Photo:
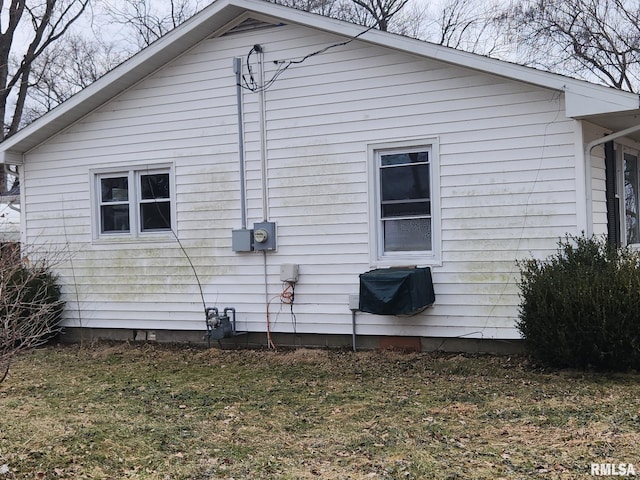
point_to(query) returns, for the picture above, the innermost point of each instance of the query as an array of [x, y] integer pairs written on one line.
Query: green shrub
[[30, 304], [581, 306], [36, 298]]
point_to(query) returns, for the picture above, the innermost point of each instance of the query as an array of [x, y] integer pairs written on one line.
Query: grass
[[155, 412]]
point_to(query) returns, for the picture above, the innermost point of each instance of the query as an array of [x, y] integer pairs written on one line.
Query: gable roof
[[582, 99]]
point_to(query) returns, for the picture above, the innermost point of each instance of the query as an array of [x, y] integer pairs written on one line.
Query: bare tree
[[376, 13], [78, 60], [58, 73], [28, 30], [381, 11], [149, 20], [592, 39], [469, 25], [30, 304], [46, 22]]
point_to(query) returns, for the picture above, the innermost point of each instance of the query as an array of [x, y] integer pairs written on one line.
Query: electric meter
[[260, 235], [264, 236]]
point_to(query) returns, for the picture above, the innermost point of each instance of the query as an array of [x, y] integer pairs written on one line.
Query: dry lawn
[[155, 412]]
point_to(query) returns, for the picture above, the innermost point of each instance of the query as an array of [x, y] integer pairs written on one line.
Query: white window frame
[[133, 173], [621, 150], [378, 257]]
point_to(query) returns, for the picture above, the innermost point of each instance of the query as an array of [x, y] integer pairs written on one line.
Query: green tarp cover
[[396, 291]]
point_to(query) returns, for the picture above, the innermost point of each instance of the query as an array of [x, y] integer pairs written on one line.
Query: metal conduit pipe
[[237, 69], [263, 133], [263, 174]]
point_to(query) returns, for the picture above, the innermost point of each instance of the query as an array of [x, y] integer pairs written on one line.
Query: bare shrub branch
[[30, 303]]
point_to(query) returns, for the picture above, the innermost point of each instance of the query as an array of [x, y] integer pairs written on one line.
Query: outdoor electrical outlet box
[[242, 240], [289, 272], [264, 236]]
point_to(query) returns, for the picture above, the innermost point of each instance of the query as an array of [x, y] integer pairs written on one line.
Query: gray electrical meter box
[[242, 240], [264, 236]]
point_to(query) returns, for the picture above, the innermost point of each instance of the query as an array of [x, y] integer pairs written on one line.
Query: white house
[[9, 223], [10, 217], [343, 150]]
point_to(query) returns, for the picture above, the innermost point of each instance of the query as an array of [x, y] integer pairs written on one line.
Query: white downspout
[[588, 175]]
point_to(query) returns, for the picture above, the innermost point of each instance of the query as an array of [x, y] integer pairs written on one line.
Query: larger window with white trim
[[405, 204], [134, 202]]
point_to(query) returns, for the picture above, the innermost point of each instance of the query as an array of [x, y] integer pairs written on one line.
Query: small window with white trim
[[405, 204], [133, 203]]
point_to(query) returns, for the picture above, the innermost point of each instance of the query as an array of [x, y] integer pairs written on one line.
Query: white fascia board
[[580, 104]]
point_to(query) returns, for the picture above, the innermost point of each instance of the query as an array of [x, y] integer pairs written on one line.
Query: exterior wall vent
[[250, 24]]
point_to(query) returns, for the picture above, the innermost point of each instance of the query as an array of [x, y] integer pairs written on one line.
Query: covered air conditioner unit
[[396, 291]]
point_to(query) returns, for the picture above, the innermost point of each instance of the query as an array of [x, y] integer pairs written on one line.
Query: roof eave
[[578, 104], [8, 157], [582, 98]]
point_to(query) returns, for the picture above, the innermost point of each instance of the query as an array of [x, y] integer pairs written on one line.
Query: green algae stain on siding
[[127, 274]]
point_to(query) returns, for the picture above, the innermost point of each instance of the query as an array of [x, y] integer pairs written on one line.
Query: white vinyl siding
[[506, 162], [622, 147], [597, 181]]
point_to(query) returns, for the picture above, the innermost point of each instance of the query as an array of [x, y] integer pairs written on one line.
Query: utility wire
[[283, 65], [177, 239]]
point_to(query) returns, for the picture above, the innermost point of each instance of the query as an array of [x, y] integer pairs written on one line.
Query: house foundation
[[254, 340]]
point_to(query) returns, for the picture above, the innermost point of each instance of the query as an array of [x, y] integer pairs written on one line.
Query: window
[[134, 202], [631, 183], [155, 202], [114, 204], [404, 204]]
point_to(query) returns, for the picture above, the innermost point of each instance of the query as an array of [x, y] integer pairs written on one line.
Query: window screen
[[405, 201]]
